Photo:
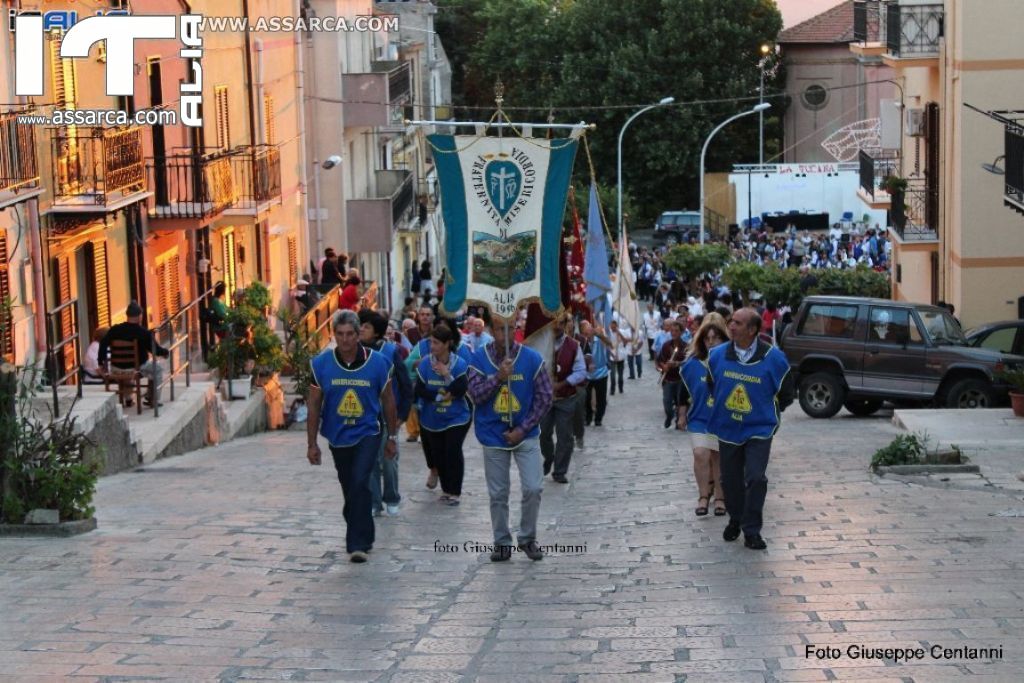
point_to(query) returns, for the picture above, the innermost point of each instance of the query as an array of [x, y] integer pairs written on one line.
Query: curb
[[928, 469], [63, 529]]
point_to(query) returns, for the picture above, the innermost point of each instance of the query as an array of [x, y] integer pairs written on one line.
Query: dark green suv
[[857, 352]]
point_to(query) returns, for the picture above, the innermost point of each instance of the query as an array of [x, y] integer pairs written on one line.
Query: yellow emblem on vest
[[501, 404], [350, 405], [738, 400]]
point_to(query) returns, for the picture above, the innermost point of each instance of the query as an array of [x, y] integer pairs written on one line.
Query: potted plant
[[897, 188], [250, 347], [1015, 378]]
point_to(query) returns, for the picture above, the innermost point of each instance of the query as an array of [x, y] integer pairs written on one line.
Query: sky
[[795, 11]]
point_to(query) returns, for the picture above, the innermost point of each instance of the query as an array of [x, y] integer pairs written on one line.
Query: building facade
[[953, 239]]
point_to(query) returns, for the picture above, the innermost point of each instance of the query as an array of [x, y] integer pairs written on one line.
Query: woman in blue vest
[[695, 410], [445, 412], [351, 386]]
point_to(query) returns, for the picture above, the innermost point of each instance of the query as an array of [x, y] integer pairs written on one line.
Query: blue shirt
[[660, 339], [599, 354], [352, 405]]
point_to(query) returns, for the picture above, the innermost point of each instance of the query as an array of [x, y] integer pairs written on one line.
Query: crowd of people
[[441, 376]]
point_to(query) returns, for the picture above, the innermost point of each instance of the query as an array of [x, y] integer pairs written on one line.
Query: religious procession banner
[[502, 200]]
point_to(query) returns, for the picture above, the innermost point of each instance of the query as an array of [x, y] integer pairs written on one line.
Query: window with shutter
[[270, 124], [6, 315], [293, 261], [223, 123], [174, 279], [63, 74], [67, 356], [230, 255], [96, 284]]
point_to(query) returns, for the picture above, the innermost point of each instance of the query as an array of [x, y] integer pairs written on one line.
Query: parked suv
[[677, 227], [857, 352]]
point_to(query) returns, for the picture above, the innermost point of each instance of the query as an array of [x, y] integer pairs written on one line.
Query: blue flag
[[595, 265]]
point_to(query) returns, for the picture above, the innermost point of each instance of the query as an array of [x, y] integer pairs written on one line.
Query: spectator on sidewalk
[[133, 331]]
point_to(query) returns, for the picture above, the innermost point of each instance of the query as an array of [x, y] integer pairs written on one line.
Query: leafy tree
[[692, 260], [743, 277], [566, 56]]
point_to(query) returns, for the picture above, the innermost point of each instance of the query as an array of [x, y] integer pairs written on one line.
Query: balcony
[[372, 222], [376, 99], [868, 28], [1014, 195], [97, 170], [912, 31], [19, 171], [915, 214], [191, 189], [873, 172], [256, 178]]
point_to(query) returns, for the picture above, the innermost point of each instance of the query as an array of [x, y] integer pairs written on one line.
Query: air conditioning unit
[[915, 122]]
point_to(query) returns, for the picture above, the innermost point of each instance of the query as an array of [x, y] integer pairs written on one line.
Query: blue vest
[[434, 416], [744, 395], [352, 406], [694, 372], [492, 416], [599, 354]]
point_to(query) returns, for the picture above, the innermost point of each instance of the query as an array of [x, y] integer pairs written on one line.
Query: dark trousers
[[597, 389], [650, 348], [444, 451], [636, 364], [669, 398], [615, 371], [744, 481], [580, 413], [557, 423], [355, 466]]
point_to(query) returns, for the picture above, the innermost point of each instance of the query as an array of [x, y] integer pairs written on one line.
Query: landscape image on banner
[[503, 263]]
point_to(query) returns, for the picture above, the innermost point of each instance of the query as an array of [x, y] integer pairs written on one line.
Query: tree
[[693, 260], [568, 56]]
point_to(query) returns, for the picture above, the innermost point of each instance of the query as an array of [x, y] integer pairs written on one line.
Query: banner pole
[[508, 380]]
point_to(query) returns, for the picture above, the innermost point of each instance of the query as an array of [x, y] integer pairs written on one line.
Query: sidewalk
[[228, 564], [993, 439]]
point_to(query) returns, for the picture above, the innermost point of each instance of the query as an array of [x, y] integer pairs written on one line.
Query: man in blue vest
[[751, 386], [512, 393], [384, 482], [350, 388]]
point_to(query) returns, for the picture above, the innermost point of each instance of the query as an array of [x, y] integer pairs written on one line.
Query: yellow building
[[957, 243]]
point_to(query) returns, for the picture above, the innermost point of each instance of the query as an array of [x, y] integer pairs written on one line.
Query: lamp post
[[757, 109], [765, 51], [618, 169], [327, 164]]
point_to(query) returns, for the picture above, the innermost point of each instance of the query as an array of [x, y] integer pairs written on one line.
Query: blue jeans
[[355, 465], [388, 471], [637, 361]]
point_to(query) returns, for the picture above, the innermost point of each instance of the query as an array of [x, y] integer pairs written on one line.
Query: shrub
[[693, 260], [251, 343], [905, 449]]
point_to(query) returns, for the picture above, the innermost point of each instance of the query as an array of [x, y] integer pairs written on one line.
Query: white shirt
[[652, 323], [620, 348], [744, 355]]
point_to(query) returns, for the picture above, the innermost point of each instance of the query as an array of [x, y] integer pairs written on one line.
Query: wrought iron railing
[[315, 324], [179, 334], [257, 175], [916, 212], [190, 185], [875, 169], [914, 30], [96, 164], [868, 24], [1014, 140], [401, 201], [18, 167], [63, 350]]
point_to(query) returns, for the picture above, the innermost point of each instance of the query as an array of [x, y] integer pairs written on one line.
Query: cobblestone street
[[229, 563]]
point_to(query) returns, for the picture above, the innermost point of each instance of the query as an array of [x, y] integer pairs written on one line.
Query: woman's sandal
[[702, 510], [720, 510]]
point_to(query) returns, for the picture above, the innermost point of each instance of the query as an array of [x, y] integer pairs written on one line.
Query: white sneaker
[[392, 510]]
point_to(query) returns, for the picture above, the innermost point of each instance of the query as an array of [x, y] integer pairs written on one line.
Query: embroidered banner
[[502, 200]]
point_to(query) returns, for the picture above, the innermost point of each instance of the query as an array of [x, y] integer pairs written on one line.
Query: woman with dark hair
[[695, 391], [445, 412]]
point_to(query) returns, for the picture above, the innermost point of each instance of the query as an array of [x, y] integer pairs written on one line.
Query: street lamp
[[757, 109], [765, 51], [618, 173], [327, 164]]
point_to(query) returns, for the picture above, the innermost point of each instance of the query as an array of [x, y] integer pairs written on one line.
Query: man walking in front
[[351, 386], [570, 371], [751, 386], [512, 392], [670, 358]]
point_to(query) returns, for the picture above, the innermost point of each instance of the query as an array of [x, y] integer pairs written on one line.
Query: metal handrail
[[53, 349], [171, 326], [317, 318]]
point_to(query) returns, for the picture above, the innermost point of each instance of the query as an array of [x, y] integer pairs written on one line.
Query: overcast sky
[[795, 11]]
